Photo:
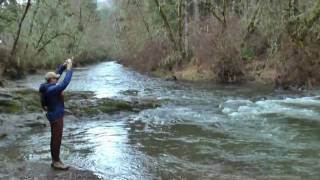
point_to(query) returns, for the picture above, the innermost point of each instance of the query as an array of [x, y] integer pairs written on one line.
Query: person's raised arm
[[61, 68], [63, 85]]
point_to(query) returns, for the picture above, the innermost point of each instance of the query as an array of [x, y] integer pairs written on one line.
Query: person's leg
[[56, 137]]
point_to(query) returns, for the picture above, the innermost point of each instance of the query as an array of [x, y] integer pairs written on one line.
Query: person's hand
[[69, 63], [65, 63]]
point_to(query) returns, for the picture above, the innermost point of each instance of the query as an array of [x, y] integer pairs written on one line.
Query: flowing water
[[203, 131]]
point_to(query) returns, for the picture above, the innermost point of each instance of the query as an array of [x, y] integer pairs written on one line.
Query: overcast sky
[[107, 3]]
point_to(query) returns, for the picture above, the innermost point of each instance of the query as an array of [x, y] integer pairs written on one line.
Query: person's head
[[52, 77]]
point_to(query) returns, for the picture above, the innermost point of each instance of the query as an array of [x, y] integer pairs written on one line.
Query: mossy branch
[[298, 26]]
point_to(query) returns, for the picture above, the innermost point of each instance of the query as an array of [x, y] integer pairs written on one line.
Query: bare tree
[[14, 47]]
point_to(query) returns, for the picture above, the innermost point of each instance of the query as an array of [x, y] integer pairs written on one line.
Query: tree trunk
[[224, 13], [31, 25], [293, 7], [15, 43], [181, 27], [214, 12], [196, 11], [253, 21], [167, 25], [142, 16]]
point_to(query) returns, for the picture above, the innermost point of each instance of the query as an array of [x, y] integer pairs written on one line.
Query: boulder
[[4, 93], [3, 83]]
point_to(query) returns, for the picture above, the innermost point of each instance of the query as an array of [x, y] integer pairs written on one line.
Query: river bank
[[256, 72]]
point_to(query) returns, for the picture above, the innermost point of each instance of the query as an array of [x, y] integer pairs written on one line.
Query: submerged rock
[[171, 78], [95, 106], [3, 135], [2, 83], [5, 94], [130, 92], [14, 123], [231, 106]]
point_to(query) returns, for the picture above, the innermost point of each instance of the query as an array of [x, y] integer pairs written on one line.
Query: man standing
[[53, 103]]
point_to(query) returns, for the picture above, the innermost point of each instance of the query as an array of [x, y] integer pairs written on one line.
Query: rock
[[76, 103], [5, 94], [109, 106], [78, 95], [32, 71], [129, 92], [140, 104], [10, 106], [12, 73], [16, 123], [31, 170], [35, 118], [171, 78], [29, 99], [36, 124], [3, 131], [3, 135], [3, 83]]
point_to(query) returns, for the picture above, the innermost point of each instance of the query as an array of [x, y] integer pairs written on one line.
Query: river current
[[202, 131]]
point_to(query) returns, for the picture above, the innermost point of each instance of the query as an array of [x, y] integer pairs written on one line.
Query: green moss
[[27, 92], [78, 95], [89, 111], [32, 104], [77, 103], [159, 73], [29, 100], [108, 106], [10, 106]]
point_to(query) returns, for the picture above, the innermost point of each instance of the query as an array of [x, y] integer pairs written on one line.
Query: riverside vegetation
[[40, 34], [222, 40]]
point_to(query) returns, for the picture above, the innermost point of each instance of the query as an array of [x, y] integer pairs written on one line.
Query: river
[[203, 131]]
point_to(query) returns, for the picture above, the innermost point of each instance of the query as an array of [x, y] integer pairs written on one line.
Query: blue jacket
[[52, 97]]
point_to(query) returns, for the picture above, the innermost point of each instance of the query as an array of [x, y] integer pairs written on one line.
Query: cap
[[51, 75]]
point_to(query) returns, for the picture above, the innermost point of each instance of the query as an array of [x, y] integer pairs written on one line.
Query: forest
[[226, 41], [38, 34]]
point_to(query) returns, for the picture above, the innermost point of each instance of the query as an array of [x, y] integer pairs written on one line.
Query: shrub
[[297, 67]]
